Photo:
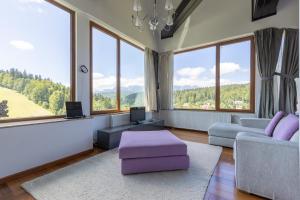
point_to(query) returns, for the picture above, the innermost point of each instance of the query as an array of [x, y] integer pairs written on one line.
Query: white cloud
[[102, 82], [125, 82], [40, 10], [191, 73], [22, 45], [229, 82], [192, 83], [190, 77], [227, 68], [202, 83]]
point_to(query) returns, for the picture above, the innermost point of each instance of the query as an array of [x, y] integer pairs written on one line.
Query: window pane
[[34, 59], [194, 79], [104, 71], [235, 76], [132, 76]]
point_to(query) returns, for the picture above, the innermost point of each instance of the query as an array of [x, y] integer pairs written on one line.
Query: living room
[[156, 99]]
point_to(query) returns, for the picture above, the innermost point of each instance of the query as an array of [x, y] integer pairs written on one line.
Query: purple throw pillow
[[286, 128], [273, 123]]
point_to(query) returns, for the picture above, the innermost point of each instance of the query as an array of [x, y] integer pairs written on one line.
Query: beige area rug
[[100, 178]]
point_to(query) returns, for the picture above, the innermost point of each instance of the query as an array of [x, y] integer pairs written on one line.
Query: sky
[[35, 36], [104, 63], [195, 69]]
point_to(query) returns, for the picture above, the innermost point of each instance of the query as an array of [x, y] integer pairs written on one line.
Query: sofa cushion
[[227, 130], [260, 123], [221, 141], [295, 137], [286, 128], [251, 134], [146, 144], [273, 123]]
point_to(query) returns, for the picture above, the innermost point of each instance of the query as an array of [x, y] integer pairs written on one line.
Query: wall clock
[[84, 69]]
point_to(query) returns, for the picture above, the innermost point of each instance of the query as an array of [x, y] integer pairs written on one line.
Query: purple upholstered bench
[[150, 151]]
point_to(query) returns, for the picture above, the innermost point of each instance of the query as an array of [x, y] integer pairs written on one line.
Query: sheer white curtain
[[276, 79], [150, 82], [166, 80]]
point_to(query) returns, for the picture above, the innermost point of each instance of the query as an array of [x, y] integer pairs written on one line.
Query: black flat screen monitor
[[137, 114], [74, 110]]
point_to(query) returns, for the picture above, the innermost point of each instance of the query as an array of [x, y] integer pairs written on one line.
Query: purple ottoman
[[150, 151]]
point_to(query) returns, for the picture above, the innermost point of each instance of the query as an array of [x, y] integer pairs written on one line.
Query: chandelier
[[154, 21]]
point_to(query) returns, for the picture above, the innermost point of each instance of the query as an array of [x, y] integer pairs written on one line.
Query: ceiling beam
[[183, 11]]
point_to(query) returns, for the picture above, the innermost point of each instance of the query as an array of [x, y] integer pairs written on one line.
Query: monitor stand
[[109, 138]]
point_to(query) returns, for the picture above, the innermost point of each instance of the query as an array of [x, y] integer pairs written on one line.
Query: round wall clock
[[84, 69]]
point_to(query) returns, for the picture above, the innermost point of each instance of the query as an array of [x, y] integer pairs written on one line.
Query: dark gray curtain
[[289, 71], [155, 61], [268, 42]]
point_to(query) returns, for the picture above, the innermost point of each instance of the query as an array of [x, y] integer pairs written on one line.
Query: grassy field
[[19, 106]]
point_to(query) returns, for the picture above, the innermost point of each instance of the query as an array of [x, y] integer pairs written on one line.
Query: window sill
[[221, 111], [97, 113], [37, 122]]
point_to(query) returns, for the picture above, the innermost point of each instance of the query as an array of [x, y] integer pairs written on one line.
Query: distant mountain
[[125, 91], [183, 87], [134, 99]]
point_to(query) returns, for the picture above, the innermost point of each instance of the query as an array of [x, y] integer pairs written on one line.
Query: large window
[[218, 77], [36, 59], [117, 72], [104, 71], [194, 81], [235, 75], [132, 76]]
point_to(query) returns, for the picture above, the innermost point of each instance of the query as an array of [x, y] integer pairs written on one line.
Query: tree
[[3, 109], [56, 102], [36, 89]]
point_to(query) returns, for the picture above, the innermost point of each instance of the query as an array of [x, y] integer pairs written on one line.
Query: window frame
[[118, 68], [218, 45], [72, 65]]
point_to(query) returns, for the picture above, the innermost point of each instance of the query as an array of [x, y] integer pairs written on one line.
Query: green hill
[[19, 106], [134, 99], [235, 96], [41, 91]]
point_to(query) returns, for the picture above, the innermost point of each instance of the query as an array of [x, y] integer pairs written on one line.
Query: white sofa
[[263, 166], [224, 134], [267, 167]]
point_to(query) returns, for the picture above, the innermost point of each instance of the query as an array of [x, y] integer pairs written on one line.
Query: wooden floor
[[221, 186]]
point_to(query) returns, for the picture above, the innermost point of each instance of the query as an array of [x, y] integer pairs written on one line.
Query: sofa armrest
[[260, 123], [267, 167]]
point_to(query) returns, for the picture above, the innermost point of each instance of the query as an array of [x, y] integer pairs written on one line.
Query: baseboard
[[186, 129], [44, 166]]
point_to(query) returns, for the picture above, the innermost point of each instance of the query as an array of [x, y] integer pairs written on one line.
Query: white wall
[[216, 20], [83, 58], [197, 120], [25, 147]]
